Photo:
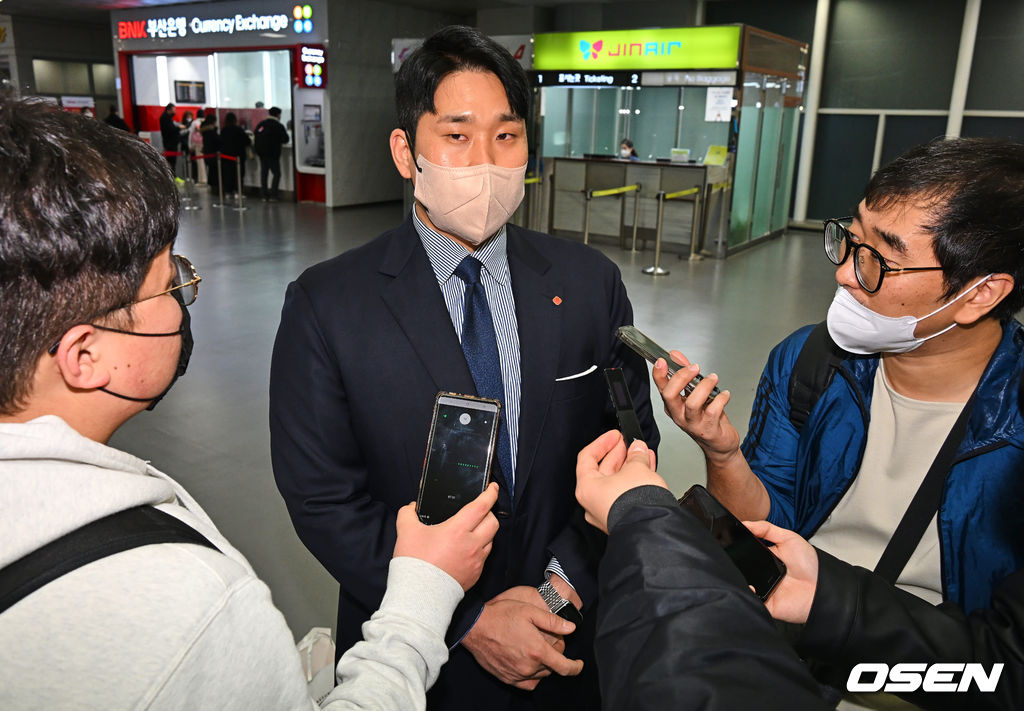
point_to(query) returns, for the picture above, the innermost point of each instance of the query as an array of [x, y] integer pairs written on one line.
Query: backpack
[[261, 140], [815, 367], [121, 531]]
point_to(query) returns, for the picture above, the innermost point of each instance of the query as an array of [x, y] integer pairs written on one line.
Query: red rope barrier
[[168, 154], [226, 156]]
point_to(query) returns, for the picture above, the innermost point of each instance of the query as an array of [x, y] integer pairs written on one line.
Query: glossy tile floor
[[211, 431]]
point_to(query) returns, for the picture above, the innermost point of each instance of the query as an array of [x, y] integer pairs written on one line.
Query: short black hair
[[84, 210], [452, 49], [973, 192], [274, 111]]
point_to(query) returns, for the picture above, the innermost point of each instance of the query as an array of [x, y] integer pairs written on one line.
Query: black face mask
[[185, 331]]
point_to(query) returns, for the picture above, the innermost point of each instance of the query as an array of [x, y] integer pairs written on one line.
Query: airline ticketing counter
[[713, 108]]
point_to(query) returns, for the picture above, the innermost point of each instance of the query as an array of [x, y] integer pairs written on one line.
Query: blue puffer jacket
[[981, 519]]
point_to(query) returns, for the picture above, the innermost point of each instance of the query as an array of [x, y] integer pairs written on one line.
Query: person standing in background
[[170, 132], [270, 136], [211, 146], [233, 142]]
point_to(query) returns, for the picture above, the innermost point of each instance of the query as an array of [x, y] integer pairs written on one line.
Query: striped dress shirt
[[445, 255]]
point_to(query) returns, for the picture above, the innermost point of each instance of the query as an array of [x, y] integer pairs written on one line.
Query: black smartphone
[[460, 451], [635, 339], [762, 568], [629, 424]]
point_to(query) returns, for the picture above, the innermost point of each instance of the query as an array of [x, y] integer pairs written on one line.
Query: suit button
[[502, 514]]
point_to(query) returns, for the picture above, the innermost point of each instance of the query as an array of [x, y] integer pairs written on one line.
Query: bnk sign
[[907, 677]]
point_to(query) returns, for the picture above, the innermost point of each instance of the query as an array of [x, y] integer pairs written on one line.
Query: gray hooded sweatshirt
[[177, 626]]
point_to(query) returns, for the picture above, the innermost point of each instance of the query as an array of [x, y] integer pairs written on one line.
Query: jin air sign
[[680, 48]]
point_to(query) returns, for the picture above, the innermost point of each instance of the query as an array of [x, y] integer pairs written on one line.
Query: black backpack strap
[[815, 367], [924, 504], [118, 532]]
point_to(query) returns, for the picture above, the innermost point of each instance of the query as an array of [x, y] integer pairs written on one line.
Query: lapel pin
[[557, 301]]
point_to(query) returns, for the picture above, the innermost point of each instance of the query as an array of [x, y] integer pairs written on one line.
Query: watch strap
[[558, 604]]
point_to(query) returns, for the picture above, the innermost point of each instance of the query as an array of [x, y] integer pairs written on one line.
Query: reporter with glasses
[[919, 397]]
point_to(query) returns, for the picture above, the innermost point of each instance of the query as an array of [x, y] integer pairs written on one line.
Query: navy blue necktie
[[480, 346]]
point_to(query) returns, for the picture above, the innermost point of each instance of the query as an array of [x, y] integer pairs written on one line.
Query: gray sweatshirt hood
[[54, 480]]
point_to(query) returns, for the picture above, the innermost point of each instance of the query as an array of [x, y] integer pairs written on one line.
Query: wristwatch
[[558, 604]]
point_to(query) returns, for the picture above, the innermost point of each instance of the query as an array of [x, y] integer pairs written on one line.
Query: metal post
[[694, 226], [220, 184], [190, 186], [656, 270], [586, 220], [238, 186], [636, 216]]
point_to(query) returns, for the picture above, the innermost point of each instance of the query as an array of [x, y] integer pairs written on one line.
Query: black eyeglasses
[[868, 264], [184, 288]]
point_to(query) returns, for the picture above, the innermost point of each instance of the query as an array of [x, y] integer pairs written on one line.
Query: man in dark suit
[[456, 300]]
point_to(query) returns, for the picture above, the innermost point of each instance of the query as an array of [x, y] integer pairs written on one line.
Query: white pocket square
[[588, 371]]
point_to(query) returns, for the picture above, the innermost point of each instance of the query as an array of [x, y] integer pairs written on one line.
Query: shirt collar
[[445, 254]]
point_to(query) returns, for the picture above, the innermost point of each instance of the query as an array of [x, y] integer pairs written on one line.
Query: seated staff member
[[97, 329]]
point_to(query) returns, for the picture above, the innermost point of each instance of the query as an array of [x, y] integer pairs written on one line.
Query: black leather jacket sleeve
[[678, 628], [857, 617]]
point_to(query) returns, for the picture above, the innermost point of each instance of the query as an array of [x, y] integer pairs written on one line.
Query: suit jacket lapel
[[539, 322], [417, 304]]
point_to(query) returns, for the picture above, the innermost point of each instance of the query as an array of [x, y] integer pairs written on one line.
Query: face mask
[[471, 203], [625, 152], [857, 329], [185, 330]]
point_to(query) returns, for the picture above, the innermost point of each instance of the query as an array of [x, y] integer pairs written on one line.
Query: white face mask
[[471, 202], [857, 329], [625, 152]]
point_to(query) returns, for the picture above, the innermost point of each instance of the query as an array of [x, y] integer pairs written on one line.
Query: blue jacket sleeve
[[771, 444]]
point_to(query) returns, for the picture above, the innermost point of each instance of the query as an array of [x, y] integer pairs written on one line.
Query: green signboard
[[680, 48]]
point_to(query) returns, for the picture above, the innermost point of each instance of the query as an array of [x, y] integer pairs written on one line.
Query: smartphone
[[762, 568], [629, 424], [635, 339], [460, 451]]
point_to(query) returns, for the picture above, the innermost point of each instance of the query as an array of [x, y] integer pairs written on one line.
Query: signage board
[[715, 47], [311, 66], [718, 105], [586, 79], [222, 24]]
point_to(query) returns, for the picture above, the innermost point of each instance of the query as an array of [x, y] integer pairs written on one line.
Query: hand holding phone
[[762, 569], [460, 452], [458, 546], [629, 424], [651, 351]]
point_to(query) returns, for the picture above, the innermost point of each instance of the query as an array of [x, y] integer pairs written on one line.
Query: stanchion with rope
[[188, 197], [656, 269], [220, 181], [591, 194], [238, 185], [189, 200]]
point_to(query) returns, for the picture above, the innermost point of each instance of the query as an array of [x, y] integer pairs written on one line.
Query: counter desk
[[683, 231]]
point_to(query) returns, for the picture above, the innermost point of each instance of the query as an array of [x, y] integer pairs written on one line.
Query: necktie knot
[[469, 270]]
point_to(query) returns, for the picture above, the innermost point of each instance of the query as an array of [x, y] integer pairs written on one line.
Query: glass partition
[[592, 121], [746, 160], [768, 166], [695, 133]]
